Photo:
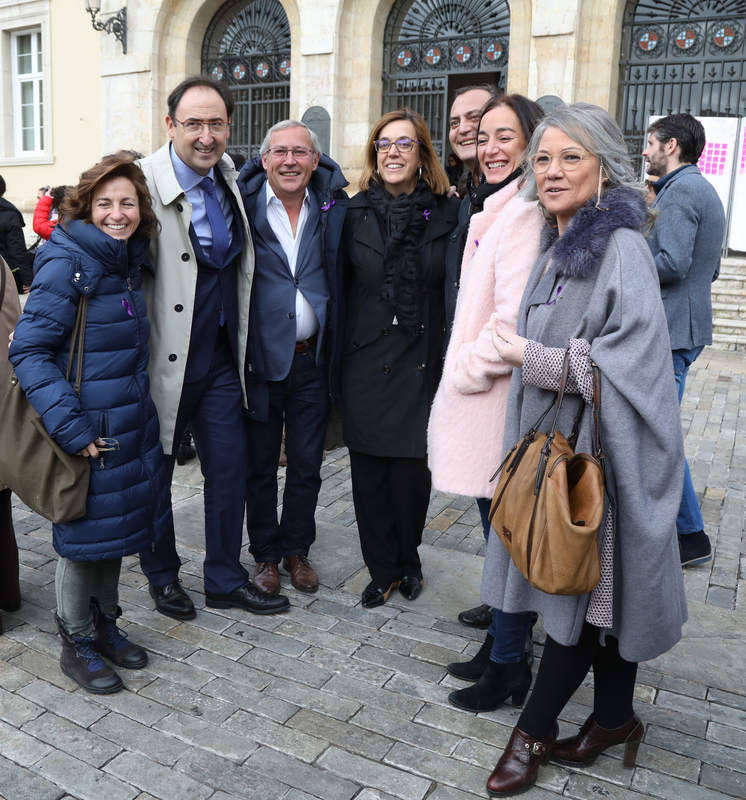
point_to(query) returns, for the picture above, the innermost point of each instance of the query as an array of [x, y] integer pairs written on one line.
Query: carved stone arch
[[179, 32]]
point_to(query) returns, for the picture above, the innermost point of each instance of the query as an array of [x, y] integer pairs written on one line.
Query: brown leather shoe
[[302, 574], [267, 578], [591, 740], [518, 766]]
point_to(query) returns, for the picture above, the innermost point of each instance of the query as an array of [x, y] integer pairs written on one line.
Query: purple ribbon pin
[[426, 214], [126, 305], [554, 299], [327, 205], [476, 243]]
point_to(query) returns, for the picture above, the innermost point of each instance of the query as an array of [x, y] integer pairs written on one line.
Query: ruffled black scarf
[[404, 219]]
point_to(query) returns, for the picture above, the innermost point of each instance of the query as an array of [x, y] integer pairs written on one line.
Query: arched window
[[681, 56], [247, 45], [434, 47]]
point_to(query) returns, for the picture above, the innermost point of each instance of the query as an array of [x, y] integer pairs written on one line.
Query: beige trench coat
[[173, 285]]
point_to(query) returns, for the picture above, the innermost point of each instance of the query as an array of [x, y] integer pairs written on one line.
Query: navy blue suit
[[285, 387], [211, 402]]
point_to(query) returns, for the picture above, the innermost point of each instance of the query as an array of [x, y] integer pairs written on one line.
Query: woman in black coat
[[394, 240]]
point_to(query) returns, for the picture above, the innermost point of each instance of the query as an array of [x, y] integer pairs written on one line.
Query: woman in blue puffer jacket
[[99, 252]]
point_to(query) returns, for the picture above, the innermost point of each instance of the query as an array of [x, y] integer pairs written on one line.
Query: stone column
[[554, 48]]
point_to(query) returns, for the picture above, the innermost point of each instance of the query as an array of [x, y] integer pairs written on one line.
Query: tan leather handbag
[[48, 480], [548, 505]]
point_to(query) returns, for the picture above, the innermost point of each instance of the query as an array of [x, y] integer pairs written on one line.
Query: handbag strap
[[77, 341], [597, 449], [561, 391]]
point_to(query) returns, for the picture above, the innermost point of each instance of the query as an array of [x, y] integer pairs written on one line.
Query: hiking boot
[[113, 643], [83, 663]]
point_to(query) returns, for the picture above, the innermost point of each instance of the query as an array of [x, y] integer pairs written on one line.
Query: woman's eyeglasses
[[568, 161], [403, 144]]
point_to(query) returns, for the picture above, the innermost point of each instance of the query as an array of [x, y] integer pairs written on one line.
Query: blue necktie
[[216, 218]]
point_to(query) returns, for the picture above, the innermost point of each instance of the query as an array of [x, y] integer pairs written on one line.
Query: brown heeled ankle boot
[[591, 740], [518, 766]]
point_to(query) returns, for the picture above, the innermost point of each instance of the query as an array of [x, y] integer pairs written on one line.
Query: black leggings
[[561, 672]]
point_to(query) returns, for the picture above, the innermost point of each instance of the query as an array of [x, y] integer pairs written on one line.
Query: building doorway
[[247, 46], [434, 47], [681, 56]]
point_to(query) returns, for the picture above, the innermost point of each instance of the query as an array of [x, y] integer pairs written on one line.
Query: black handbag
[[48, 480]]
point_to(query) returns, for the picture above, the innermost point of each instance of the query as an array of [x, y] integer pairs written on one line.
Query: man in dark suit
[[295, 204], [198, 303], [686, 242]]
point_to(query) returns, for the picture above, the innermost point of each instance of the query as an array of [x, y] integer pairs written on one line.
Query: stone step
[[729, 311], [728, 341]]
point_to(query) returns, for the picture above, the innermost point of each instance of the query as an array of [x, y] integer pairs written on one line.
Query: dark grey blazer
[[686, 241]]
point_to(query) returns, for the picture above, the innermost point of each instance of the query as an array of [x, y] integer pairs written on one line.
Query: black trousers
[[391, 496], [561, 672], [10, 594]]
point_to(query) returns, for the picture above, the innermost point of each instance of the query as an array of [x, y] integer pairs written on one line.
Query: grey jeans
[[76, 582]]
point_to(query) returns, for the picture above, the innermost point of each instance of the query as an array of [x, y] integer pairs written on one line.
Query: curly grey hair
[[290, 123], [594, 129]]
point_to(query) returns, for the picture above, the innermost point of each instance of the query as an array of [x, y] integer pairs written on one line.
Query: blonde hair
[[432, 171]]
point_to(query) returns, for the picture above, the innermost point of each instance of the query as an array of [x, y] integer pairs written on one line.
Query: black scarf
[[404, 219], [479, 194]]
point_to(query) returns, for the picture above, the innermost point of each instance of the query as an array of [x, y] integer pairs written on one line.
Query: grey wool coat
[[686, 243], [601, 285]]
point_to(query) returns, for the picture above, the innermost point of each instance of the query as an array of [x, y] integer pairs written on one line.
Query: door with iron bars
[[434, 47], [247, 46], [681, 56]]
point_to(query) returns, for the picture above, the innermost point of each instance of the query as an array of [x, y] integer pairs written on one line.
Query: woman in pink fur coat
[[465, 436]]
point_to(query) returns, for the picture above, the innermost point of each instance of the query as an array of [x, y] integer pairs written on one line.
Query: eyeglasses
[[568, 161], [403, 144], [194, 126], [281, 153]]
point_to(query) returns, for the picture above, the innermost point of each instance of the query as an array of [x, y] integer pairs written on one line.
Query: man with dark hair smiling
[[686, 241], [198, 302]]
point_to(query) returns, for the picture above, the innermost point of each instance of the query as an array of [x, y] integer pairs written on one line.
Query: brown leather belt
[[306, 344]]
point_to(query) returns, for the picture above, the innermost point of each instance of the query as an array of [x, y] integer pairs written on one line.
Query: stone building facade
[[70, 94]]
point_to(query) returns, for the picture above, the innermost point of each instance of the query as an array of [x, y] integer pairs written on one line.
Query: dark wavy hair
[[79, 199]]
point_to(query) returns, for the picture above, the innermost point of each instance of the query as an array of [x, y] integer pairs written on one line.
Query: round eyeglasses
[[568, 161], [403, 144]]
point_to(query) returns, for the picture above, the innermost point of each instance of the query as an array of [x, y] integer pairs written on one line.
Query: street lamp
[[115, 23]]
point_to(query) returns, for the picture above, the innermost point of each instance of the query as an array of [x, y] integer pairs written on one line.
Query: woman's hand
[[91, 450], [508, 344]]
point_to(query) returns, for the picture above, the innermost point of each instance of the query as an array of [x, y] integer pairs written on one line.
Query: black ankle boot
[[81, 662], [472, 670], [497, 683], [113, 643]]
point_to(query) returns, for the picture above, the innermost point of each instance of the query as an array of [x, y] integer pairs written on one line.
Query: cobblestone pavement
[[332, 701]]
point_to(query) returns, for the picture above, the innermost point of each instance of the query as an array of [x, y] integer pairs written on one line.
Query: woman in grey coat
[[594, 289]]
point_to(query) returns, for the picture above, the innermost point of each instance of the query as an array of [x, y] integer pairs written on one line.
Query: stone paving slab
[[334, 702]]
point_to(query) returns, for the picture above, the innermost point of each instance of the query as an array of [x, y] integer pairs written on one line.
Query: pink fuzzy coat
[[465, 432]]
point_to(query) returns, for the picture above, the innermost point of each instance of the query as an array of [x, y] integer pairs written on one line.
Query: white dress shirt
[[306, 323]]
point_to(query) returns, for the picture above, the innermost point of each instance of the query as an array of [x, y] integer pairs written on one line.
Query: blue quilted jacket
[[128, 497]]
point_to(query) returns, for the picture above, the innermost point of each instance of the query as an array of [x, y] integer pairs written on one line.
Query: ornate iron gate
[[247, 45], [681, 56], [429, 41]]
